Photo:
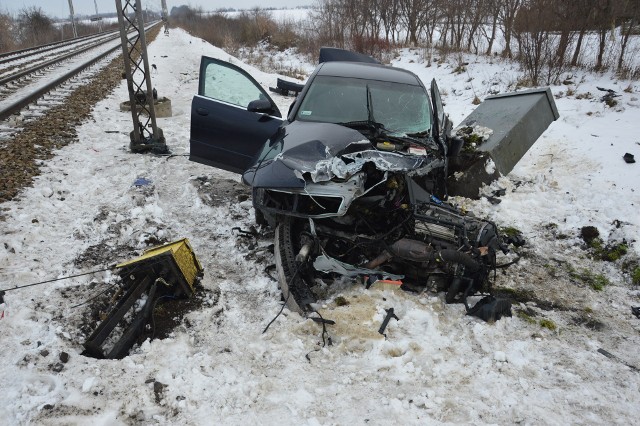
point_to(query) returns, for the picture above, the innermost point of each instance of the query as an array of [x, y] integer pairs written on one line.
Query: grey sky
[[60, 8]]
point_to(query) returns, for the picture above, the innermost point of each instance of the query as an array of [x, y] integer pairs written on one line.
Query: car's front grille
[[300, 204]]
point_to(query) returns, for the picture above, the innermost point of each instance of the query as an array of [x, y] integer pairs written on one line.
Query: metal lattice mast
[[165, 14], [146, 136], [73, 19]]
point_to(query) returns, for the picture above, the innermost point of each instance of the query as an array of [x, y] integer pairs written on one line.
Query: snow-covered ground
[[437, 366]]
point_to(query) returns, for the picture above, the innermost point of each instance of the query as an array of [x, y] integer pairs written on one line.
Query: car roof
[[368, 71]]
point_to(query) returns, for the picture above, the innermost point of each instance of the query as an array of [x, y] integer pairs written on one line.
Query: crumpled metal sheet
[[346, 165]]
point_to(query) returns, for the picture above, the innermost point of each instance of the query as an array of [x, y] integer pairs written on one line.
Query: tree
[[7, 41], [630, 16], [507, 12], [34, 27]]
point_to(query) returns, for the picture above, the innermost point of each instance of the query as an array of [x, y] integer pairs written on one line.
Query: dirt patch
[[217, 192]]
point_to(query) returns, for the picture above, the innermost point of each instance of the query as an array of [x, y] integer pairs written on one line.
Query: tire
[[295, 290]]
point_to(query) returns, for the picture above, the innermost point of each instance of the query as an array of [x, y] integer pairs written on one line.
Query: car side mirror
[[261, 106]]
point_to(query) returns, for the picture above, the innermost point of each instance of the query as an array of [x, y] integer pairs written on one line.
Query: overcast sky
[[60, 8]]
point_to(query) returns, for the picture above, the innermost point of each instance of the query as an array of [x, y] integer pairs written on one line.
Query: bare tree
[[506, 17], [603, 19], [7, 41], [34, 27], [630, 17], [390, 15], [536, 46], [582, 12], [492, 9], [413, 17]]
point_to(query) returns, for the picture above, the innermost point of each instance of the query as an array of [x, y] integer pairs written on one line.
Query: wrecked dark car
[[354, 179]]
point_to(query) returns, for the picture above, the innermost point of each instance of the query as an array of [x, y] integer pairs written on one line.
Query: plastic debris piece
[[628, 158], [141, 182], [489, 308]]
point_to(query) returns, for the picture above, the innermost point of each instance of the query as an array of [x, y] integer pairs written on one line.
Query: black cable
[[267, 270], [60, 279], [285, 301], [92, 298], [504, 265], [324, 332]]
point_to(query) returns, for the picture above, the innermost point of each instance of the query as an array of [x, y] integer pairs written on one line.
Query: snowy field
[[437, 366]]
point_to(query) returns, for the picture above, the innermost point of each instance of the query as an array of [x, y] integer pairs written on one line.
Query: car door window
[[221, 82]]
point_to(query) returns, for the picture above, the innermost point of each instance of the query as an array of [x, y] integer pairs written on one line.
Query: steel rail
[[24, 53], [31, 70], [31, 97]]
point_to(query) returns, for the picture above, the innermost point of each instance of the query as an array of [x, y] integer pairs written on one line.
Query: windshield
[[400, 108]]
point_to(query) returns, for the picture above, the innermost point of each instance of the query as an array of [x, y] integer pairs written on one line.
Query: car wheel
[[291, 274]]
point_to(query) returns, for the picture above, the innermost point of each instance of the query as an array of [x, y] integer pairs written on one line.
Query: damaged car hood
[[304, 152]]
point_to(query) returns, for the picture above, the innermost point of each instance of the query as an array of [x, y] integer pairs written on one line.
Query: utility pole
[[95, 3], [73, 19], [165, 17], [165, 14], [146, 135]]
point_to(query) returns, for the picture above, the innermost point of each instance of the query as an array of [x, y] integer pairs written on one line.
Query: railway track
[[29, 138], [42, 76]]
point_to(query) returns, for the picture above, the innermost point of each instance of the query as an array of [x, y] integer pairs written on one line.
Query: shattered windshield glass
[[400, 108]]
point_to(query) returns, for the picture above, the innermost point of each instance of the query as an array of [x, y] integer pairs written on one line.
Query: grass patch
[[635, 276], [341, 301], [525, 316], [510, 231], [548, 324], [608, 252], [586, 95], [596, 281]]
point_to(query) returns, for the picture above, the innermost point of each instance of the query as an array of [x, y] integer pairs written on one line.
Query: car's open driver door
[[231, 117]]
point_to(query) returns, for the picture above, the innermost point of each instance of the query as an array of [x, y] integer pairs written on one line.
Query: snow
[[436, 365]]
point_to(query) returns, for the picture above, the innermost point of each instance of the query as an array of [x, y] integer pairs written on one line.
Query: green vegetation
[[526, 317], [471, 140], [547, 323], [635, 276], [608, 252], [510, 231], [341, 301], [595, 281]]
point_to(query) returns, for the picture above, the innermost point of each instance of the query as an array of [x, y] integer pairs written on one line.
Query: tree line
[[31, 27], [546, 36]]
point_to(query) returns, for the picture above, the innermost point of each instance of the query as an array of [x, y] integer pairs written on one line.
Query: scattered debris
[[491, 309], [141, 182], [385, 323], [287, 88], [609, 98], [168, 271], [628, 158]]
